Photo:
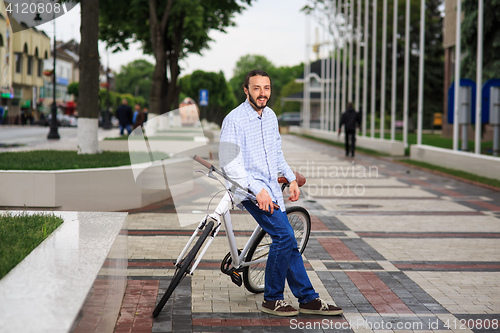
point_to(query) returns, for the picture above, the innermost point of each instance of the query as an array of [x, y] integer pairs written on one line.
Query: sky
[[272, 28]]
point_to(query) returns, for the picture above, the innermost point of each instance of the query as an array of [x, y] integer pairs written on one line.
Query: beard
[[254, 102]]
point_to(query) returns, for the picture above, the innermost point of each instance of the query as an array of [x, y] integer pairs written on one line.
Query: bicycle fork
[[200, 227]]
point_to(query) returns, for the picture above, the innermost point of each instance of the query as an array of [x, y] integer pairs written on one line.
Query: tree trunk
[[156, 104], [158, 31], [173, 62], [88, 107]]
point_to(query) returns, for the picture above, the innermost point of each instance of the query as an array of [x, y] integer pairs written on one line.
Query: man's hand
[[265, 201], [294, 191]]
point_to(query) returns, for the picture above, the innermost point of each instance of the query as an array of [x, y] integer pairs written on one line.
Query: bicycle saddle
[[301, 180]]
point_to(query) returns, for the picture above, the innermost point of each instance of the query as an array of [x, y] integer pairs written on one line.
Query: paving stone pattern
[[398, 249]]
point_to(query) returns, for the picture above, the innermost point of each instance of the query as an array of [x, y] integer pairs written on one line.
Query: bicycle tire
[[181, 272], [253, 276]]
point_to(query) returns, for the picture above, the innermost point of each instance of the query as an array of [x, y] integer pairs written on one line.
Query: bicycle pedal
[[236, 278]]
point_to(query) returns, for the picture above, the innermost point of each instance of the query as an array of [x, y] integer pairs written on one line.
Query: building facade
[[21, 71], [67, 72]]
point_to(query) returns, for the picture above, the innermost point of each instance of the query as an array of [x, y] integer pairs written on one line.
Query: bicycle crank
[[227, 269]]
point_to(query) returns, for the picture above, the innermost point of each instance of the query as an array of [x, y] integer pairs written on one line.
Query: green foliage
[[288, 89], [21, 234], [135, 79], [65, 160], [115, 99], [73, 89], [280, 76], [221, 98], [244, 65], [185, 30], [121, 25], [491, 39]]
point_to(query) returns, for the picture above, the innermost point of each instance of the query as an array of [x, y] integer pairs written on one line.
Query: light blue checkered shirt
[[250, 151]]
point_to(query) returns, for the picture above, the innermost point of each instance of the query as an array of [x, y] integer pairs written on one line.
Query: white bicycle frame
[[220, 216]]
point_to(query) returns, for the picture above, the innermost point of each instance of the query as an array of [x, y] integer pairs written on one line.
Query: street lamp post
[[53, 133]]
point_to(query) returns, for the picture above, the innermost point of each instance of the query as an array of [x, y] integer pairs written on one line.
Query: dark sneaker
[[279, 308], [318, 306]]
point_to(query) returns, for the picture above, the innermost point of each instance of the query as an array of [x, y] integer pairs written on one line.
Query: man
[[253, 129], [138, 117], [350, 119], [124, 115]]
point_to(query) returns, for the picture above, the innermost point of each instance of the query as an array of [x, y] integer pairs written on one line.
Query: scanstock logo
[[25, 14]]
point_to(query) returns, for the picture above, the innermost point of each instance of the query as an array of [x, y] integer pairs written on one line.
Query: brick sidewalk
[[396, 248]]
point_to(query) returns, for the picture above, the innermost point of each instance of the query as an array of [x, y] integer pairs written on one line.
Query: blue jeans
[[284, 261], [128, 127]]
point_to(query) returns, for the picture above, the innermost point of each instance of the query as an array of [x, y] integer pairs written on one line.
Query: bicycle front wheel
[[183, 268], [254, 275]]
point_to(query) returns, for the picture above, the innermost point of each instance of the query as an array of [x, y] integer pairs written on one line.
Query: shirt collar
[[251, 113]]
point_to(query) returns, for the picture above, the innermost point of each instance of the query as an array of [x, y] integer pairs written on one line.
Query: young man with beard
[[250, 153]]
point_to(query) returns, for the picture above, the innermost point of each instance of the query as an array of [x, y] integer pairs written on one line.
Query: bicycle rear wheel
[[253, 275], [182, 268]]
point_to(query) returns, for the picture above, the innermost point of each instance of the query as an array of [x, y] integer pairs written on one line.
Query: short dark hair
[[252, 73]]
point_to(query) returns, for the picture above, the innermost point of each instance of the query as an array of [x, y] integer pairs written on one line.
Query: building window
[[19, 62], [30, 65], [40, 67]]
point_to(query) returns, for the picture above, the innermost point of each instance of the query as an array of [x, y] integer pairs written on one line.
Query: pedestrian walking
[[350, 119], [138, 118], [253, 128], [124, 115]]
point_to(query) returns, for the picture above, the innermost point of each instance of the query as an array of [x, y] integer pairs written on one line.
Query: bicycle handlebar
[[212, 168], [202, 162]]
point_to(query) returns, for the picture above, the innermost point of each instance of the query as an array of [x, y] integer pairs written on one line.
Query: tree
[[279, 75], [221, 97], [282, 77], [288, 89], [491, 39], [169, 30], [135, 78], [244, 65], [88, 109], [73, 89]]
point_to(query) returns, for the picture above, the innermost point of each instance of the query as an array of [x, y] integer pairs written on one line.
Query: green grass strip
[[21, 234], [67, 160], [456, 173]]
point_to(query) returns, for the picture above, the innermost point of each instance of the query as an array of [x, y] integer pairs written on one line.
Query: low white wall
[[100, 189], [47, 291], [394, 148], [169, 147], [486, 166]]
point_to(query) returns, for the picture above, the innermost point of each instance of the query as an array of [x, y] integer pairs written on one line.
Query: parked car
[[63, 120], [290, 119]]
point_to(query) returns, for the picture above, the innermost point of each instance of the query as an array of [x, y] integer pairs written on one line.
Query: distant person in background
[[350, 119], [124, 115], [145, 110], [138, 118]]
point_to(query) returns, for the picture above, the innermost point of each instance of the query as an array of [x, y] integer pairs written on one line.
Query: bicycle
[[244, 266]]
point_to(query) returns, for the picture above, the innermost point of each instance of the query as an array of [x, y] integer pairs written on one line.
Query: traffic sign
[[203, 97]]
